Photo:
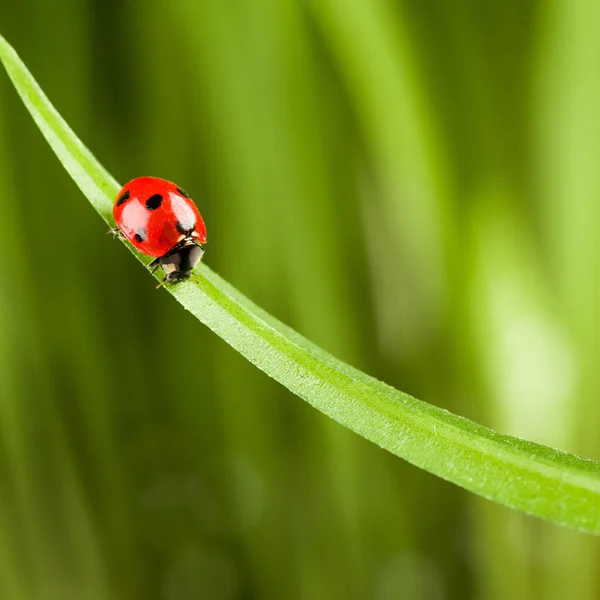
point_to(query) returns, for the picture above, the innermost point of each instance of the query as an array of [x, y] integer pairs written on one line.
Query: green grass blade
[[541, 481]]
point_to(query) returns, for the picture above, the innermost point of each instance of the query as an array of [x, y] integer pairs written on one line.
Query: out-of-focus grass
[[233, 495], [534, 478]]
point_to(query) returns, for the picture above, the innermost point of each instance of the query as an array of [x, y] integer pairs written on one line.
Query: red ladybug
[[161, 220]]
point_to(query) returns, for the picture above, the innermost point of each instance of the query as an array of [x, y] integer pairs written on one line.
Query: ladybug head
[[179, 262]]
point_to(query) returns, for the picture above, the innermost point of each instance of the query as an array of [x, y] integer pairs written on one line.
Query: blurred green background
[[412, 185]]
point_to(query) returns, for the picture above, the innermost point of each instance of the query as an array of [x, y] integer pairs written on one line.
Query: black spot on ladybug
[[181, 229], [124, 197], [140, 236], [154, 202], [183, 192]]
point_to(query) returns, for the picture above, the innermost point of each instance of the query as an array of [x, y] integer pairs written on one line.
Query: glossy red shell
[[155, 214]]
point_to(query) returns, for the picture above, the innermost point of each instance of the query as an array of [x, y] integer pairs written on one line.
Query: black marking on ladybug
[[141, 236], [186, 222], [182, 230], [154, 202], [124, 197], [183, 192]]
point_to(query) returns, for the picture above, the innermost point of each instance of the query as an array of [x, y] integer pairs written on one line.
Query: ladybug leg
[[116, 232], [165, 280], [154, 265]]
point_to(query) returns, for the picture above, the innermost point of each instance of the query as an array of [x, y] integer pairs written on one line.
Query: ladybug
[[161, 220]]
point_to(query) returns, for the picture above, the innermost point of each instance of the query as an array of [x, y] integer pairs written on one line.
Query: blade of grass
[[548, 483]]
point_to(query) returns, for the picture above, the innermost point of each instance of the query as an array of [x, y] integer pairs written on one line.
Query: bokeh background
[[412, 185]]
